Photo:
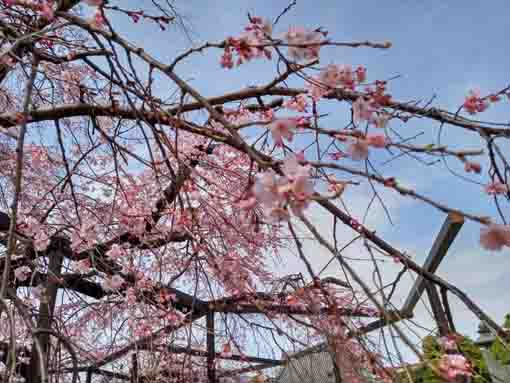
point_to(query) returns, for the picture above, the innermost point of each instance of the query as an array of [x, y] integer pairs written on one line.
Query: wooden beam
[[237, 358], [444, 239], [392, 317], [239, 371], [261, 308]]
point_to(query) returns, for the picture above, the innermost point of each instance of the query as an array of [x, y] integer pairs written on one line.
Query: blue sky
[[439, 48]]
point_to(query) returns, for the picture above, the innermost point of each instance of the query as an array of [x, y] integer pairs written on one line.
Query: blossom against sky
[[440, 51]]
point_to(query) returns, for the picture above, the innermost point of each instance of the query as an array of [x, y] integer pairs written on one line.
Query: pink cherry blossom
[[188, 193], [335, 76], [381, 120], [83, 266], [131, 296], [247, 204], [260, 26], [474, 167], [337, 187], [377, 140], [304, 44], [7, 60], [298, 177], [98, 21], [227, 59], [273, 191], [113, 283], [474, 103], [449, 343], [41, 241], [277, 214], [358, 150], [249, 44], [361, 74], [362, 110], [496, 188], [115, 252], [94, 3], [453, 365], [495, 236], [47, 10], [338, 76], [265, 189], [282, 128], [226, 350], [297, 103], [22, 273]]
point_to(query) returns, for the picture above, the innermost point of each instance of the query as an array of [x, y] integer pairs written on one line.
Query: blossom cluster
[[46, 8], [475, 103], [453, 365], [285, 128], [277, 192], [336, 76], [248, 45], [256, 42], [43, 8], [303, 44]]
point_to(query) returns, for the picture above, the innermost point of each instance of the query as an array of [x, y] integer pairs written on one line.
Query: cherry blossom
[[6, 59], [226, 350], [173, 200], [22, 273], [358, 150], [283, 129], [116, 252], [472, 167], [361, 74], [93, 3], [98, 21], [273, 191], [249, 45], [377, 140], [381, 120], [453, 365], [449, 343], [303, 44], [83, 266], [113, 283], [335, 186], [362, 110], [474, 103], [495, 236], [298, 103], [41, 241], [496, 188], [335, 76], [47, 10]]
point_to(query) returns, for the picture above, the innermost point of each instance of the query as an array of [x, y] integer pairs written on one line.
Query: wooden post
[[437, 309], [211, 350]]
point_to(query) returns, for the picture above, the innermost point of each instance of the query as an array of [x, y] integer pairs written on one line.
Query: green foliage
[[432, 352], [499, 350]]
